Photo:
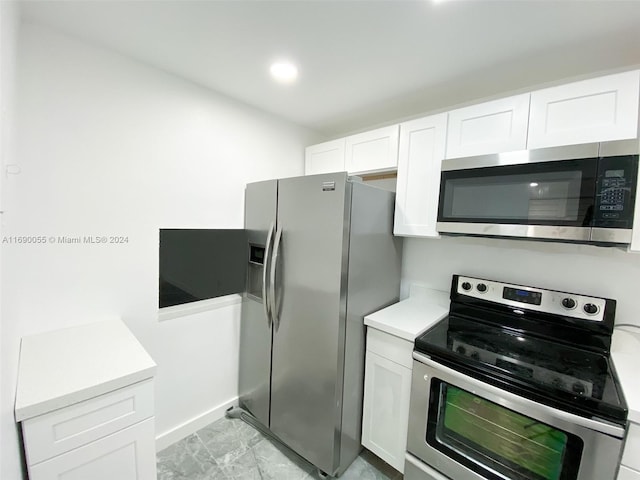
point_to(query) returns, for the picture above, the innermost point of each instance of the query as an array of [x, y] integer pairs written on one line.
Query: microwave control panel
[[616, 191]]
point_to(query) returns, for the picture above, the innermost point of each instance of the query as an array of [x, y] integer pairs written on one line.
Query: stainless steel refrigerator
[[321, 257]]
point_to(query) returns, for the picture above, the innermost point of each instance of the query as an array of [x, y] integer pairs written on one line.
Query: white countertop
[[625, 351], [409, 318], [67, 366]]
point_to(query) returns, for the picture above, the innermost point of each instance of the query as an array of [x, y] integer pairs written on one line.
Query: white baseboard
[[169, 437]]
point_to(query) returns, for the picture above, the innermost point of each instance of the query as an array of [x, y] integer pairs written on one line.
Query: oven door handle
[[526, 406]]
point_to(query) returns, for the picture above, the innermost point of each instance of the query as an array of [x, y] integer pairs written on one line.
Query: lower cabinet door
[[128, 454], [385, 413]]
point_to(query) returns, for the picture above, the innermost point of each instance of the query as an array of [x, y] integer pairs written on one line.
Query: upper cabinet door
[[324, 157], [491, 127], [422, 145], [373, 151], [600, 109]]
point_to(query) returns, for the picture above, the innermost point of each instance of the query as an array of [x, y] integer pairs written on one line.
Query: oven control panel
[[531, 298]]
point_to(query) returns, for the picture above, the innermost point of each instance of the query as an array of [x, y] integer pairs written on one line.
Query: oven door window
[[497, 442], [547, 193]]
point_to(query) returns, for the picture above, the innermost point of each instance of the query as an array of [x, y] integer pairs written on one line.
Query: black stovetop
[[556, 370]]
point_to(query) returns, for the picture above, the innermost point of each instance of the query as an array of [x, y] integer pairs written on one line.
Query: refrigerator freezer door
[[308, 339], [255, 329]]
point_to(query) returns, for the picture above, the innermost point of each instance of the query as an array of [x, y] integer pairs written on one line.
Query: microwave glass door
[[558, 193], [497, 442]]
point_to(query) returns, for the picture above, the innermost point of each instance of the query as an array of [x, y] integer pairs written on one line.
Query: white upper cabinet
[[368, 152], [490, 127], [325, 157], [595, 110], [422, 144], [373, 151]]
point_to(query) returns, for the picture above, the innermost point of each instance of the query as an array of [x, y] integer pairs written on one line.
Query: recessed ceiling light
[[284, 72]]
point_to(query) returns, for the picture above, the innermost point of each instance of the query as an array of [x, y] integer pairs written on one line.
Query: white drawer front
[[126, 455], [631, 455], [390, 347], [67, 428], [628, 474]]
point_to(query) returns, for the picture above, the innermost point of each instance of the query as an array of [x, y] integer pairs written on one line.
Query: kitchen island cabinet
[[85, 403], [388, 366]]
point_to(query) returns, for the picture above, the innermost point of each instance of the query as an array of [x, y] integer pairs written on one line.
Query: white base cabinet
[[85, 402], [110, 436], [422, 144], [126, 455], [387, 386]]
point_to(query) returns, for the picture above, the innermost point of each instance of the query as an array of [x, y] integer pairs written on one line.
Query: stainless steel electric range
[[516, 383]]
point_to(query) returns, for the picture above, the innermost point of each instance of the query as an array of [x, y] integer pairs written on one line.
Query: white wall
[[108, 146], [8, 34], [599, 271]]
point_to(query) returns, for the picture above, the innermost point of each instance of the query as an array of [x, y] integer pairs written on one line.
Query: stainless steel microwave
[[579, 193]]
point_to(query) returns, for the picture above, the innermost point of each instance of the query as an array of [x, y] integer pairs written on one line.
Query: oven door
[[540, 198], [467, 429]]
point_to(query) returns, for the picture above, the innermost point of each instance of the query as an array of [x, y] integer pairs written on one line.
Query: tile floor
[[230, 449]]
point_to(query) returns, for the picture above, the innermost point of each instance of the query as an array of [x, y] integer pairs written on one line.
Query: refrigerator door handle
[[272, 280], [265, 276]]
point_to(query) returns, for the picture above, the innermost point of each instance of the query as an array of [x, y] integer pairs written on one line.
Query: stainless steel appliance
[[322, 256], [516, 384], [579, 193]]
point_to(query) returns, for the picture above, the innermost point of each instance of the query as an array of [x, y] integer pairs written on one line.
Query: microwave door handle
[[272, 280], [265, 276]]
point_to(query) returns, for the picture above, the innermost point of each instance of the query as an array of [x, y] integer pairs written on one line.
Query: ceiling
[[361, 63]]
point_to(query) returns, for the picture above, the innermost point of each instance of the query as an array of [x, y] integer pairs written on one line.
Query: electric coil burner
[[516, 383]]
